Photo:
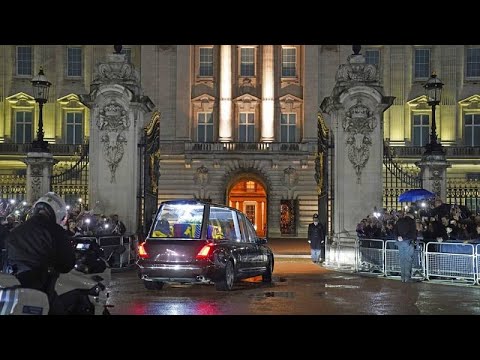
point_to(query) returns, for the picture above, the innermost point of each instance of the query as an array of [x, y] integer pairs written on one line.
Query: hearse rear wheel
[[226, 284]]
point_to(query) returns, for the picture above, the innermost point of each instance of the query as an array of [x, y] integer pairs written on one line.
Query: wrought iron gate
[[72, 183], [465, 192], [396, 180], [324, 164], [149, 172]]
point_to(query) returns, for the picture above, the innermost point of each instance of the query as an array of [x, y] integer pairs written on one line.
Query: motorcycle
[[15, 300], [82, 291]]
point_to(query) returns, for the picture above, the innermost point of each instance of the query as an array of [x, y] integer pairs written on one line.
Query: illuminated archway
[[247, 194]]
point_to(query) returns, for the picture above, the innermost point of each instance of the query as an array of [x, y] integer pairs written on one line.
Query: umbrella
[[415, 195]]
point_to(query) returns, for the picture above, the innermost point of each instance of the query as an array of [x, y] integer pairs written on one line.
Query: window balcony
[[248, 147], [55, 149], [450, 151]]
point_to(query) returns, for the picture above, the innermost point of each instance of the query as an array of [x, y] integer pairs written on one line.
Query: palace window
[[422, 64], [23, 127], [472, 129], [24, 60], [205, 127], [288, 127], [289, 62], [250, 212], [74, 61], [74, 127], [246, 128], [372, 56], [473, 63], [206, 61], [420, 129], [128, 54], [247, 61]]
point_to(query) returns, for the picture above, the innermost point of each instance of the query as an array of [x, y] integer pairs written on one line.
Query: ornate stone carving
[[167, 47], [358, 124], [437, 187], [356, 70], [112, 122], [113, 117], [246, 86], [36, 170], [437, 180], [290, 178], [116, 70], [36, 187], [201, 176]]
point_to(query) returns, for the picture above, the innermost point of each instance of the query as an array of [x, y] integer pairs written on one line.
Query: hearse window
[[178, 220], [252, 235], [241, 225], [223, 224]]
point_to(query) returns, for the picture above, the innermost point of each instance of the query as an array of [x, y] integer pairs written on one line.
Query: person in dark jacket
[[406, 235], [316, 238], [39, 250]]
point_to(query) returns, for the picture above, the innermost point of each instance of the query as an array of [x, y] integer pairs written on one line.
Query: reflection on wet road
[[299, 288]]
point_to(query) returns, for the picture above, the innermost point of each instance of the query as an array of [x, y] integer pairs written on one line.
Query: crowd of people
[[79, 222], [435, 221], [36, 241]]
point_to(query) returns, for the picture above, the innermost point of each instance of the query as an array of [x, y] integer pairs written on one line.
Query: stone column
[[118, 113], [225, 126], [355, 113], [39, 170], [268, 111], [433, 171]]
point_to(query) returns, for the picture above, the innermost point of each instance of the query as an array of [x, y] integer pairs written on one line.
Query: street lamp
[[433, 88], [41, 86]]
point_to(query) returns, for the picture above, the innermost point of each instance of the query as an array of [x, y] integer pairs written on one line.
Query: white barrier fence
[[455, 261]]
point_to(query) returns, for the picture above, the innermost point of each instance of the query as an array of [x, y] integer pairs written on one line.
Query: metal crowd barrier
[[392, 259], [109, 243], [477, 260], [456, 261], [452, 260], [342, 253], [371, 256]]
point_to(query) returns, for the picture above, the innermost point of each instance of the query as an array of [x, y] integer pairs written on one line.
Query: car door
[[243, 244], [254, 252]]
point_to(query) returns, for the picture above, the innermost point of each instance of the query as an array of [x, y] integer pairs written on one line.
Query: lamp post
[[41, 86], [433, 88]]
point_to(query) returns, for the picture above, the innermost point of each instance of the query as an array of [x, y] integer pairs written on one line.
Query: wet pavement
[[299, 288]]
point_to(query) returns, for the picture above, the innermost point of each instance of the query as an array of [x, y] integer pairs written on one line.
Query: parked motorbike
[[15, 300], [82, 291]]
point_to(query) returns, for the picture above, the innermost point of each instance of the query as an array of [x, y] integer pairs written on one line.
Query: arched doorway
[[249, 196]]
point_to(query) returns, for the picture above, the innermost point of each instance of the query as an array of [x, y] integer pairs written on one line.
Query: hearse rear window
[[178, 221]]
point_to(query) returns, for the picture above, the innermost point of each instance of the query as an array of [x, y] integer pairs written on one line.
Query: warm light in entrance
[[249, 196]]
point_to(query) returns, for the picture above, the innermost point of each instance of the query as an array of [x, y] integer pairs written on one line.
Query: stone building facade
[[239, 122]]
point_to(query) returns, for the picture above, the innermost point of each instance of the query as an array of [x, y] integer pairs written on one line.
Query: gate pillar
[[355, 113], [118, 113], [433, 170], [39, 170]]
